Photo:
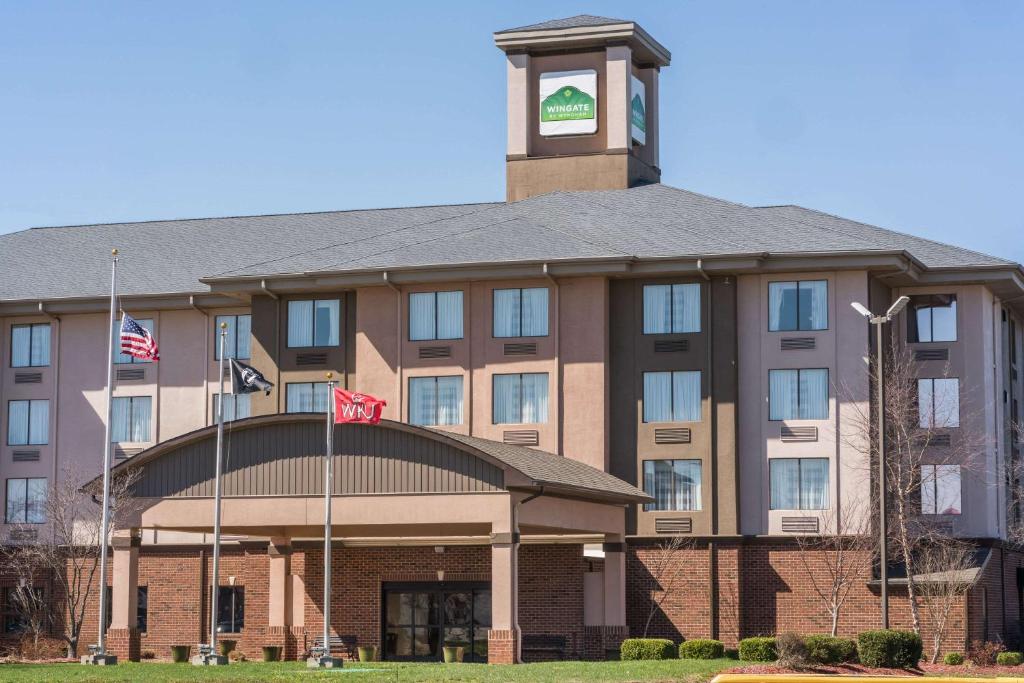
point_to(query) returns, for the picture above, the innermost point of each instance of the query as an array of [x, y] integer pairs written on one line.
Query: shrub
[[701, 648], [758, 649], [984, 653], [732, 653], [148, 654], [792, 651], [889, 648], [823, 649], [1009, 659], [953, 659], [647, 648]]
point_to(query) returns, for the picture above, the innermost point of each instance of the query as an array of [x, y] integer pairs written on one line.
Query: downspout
[[206, 359], [55, 403], [712, 461], [400, 340], [277, 340], [560, 446], [515, 559]]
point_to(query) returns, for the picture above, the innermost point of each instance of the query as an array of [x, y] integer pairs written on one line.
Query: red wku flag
[[355, 407]]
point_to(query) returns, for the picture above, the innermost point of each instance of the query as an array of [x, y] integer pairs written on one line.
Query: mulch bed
[[860, 670]]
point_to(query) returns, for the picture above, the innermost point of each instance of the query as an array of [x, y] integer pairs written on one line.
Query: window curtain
[[17, 423], [657, 397], [21, 346], [782, 306], [449, 315], [814, 305], [299, 398], [686, 403], [39, 422], [535, 398], [140, 412], [813, 484], [687, 484], [657, 309], [506, 313], [925, 403], [35, 508], [120, 427], [782, 394], [813, 394], [928, 489], [946, 394], [326, 326], [507, 395], [449, 400], [244, 337], [16, 497], [535, 312], [422, 316], [423, 401], [300, 323], [321, 397], [686, 308], [947, 490], [784, 482]]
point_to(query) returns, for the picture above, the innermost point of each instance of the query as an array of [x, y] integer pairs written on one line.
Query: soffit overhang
[[646, 50]]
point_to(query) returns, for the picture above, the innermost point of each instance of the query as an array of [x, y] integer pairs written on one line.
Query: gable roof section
[[643, 223], [578, 21]]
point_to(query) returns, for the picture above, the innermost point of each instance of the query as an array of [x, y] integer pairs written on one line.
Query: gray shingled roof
[[578, 21], [653, 221], [550, 469]]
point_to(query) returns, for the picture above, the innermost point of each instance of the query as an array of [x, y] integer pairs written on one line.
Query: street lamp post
[[883, 555]]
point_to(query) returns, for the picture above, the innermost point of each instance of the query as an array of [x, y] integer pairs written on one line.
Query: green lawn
[[671, 670]]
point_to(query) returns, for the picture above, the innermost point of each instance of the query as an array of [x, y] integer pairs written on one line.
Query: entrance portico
[[434, 522]]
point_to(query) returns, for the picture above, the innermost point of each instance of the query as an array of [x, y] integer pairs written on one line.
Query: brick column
[[615, 629], [279, 596], [504, 637], [123, 633]]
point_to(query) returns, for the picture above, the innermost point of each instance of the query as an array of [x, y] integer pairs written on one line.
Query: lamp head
[[897, 306], [860, 309]]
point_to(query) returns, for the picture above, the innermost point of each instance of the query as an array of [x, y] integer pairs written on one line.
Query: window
[[798, 305], [30, 345], [672, 396], [520, 399], [124, 358], [306, 397], [674, 484], [798, 394], [13, 613], [230, 609], [131, 419], [26, 501], [932, 318], [141, 607], [940, 489], [435, 315], [435, 400], [798, 483], [938, 402], [237, 343], [671, 308], [521, 312], [236, 407], [313, 323], [28, 422]]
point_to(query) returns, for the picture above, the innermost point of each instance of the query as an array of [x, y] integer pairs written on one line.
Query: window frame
[[494, 380], [547, 312], [650, 507], [131, 415], [934, 483], [148, 324], [933, 304], [828, 395], [671, 322], [437, 403], [31, 334], [462, 313], [800, 484], [9, 612], [215, 397], [232, 353], [235, 592], [313, 345], [25, 511], [828, 306], [313, 386], [28, 426], [672, 387], [933, 425]]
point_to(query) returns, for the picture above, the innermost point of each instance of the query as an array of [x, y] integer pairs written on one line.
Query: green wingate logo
[[568, 103], [639, 115]]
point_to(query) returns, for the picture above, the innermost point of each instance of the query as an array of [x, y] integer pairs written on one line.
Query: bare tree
[[942, 582], [664, 574], [67, 549], [26, 597], [836, 561]]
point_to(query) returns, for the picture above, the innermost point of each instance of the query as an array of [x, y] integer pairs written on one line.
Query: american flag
[[136, 340]]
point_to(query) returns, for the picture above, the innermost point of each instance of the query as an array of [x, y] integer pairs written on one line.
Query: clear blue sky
[[909, 115]]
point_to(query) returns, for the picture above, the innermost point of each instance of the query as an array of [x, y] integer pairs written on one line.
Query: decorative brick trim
[[502, 645], [432, 576]]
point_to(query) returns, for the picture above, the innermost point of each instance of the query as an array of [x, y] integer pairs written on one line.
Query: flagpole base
[[99, 659], [209, 660], [326, 662]]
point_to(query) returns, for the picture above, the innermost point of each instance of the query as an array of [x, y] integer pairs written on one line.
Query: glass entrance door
[[421, 618]]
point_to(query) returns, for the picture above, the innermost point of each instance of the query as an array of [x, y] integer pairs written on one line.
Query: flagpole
[[325, 660], [99, 654], [212, 657]]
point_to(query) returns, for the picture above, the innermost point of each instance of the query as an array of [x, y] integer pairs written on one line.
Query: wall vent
[[311, 359], [125, 453], [796, 343], [672, 435], [797, 434], [435, 352], [23, 534], [521, 437], [671, 346], [800, 525], [25, 456], [521, 349], [942, 440], [931, 354], [28, 377], [128, 374], [668, 525]]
